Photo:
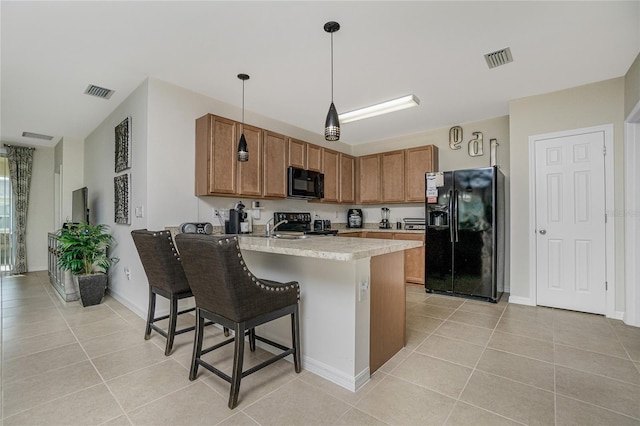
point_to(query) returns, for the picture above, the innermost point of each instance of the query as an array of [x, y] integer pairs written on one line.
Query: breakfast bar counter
[[352, 301]]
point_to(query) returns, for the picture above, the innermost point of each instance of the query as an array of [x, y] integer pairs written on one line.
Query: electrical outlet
[[363, 290], [215, 213], [127, 272]]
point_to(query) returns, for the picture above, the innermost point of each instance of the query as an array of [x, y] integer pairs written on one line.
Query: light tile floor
[[465, 363]]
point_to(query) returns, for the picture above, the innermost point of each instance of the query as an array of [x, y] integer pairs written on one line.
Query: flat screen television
[[79, 206]]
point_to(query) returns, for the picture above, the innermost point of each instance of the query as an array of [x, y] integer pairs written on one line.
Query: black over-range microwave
[[303, 183]]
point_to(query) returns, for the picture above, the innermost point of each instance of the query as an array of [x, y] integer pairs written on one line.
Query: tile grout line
[[473, 370], [93, 365]]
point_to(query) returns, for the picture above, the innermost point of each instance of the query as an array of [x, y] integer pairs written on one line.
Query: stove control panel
[[292, 217]]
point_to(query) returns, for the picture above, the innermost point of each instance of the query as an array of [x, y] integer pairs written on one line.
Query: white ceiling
[[51, 51]]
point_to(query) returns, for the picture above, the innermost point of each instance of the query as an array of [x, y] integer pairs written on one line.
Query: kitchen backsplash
[[336, 213]]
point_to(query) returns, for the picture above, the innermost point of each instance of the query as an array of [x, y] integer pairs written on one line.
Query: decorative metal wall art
[[455, 137], [476, 145], [493, 154], [122, 196], [123, 145]]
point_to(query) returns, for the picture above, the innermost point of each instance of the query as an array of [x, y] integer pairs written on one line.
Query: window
[[6, 215]]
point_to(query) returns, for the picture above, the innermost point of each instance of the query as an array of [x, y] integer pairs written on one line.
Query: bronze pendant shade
[[243, 150], [332, 124]]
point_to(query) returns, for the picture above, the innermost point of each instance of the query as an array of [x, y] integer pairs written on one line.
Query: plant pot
[[91, 288]]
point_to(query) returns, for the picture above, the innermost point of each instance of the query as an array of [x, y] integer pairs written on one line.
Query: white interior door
[[570, 222]]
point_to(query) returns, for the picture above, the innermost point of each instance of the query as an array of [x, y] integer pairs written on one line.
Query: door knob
[[543, 231]]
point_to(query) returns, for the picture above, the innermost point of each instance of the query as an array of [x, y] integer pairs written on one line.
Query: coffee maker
[[237, 223], [386, 214]]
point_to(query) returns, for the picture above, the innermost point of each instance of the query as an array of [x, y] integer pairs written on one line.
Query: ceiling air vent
[[499, 57], [36, 136], [98, 91]]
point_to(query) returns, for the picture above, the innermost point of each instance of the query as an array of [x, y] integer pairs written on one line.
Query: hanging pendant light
[[332, 124], [243, 150]]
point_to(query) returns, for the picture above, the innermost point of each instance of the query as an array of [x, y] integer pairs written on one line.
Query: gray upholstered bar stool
[[229, 294], [166, 277]]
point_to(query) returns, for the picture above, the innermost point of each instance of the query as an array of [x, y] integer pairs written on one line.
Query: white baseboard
[[521, 300], [325, 371], [619, 315], [338, 377], [131, 307]]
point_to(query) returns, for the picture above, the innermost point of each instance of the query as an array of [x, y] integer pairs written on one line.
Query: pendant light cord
[[332, 67], [243, 102]]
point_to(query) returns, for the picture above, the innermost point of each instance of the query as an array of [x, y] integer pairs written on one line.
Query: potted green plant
[[82, 250]]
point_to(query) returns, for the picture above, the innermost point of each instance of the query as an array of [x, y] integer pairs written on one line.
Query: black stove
[[299, 222]]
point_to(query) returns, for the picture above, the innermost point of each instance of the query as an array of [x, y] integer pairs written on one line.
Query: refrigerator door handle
[[450, 214], [455, 214]]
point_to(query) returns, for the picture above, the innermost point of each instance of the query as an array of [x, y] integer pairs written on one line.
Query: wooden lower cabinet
[[413, 258], [379, 235], [351, 234]]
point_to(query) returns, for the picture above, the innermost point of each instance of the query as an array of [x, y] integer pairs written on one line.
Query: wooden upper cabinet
[[275, 165], [419, 161], [250, 172], [297, 153], [392, 176], [331, 170], [369, 178], [314, 157], [347, 178], [216, 152]]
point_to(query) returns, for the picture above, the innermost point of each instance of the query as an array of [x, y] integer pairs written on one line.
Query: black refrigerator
[[464, 253]]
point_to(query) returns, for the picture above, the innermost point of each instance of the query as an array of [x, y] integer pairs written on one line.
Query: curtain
[[20, 168]]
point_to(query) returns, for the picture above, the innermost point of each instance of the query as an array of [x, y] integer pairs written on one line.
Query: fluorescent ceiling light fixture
[[381, 108]]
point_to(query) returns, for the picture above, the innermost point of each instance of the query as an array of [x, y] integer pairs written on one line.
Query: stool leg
[[173, 319], [238, 356], [252, 340], [197, 345], [151, 312], [295, 338]]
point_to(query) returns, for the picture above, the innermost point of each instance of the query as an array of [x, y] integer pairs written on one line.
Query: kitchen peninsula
[[352, 300]]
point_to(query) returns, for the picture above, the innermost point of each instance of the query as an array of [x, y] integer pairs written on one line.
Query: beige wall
[[632, 87], [584, 106]]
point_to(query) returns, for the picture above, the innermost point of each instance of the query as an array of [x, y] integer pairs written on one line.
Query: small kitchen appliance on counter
[[386, 214], [414, 224], [321, 225], [300, 223], [354, 218], [237, 223]]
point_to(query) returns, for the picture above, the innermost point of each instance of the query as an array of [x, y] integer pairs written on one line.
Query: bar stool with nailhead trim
[[166, 277], [229, 294]]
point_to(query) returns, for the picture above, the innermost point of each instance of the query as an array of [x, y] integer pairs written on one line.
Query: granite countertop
[[395, 231], [325, 247]]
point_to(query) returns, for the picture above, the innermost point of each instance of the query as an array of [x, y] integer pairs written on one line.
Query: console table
[[59, 279]]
